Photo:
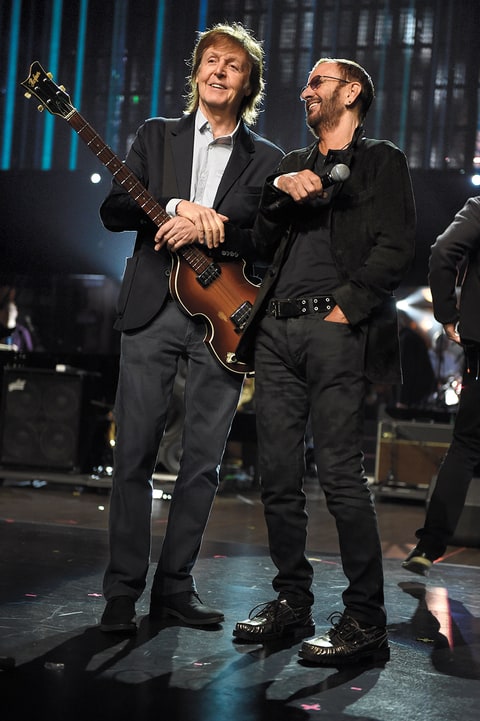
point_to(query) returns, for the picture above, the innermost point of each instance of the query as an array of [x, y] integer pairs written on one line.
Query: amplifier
[[409, 455], [42, 416]]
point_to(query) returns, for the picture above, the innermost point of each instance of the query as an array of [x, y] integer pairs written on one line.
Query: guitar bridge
[[209, 274], [241, 315]]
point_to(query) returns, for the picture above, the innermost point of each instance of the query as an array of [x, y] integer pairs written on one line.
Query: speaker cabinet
[[41, 414], [408, 456]]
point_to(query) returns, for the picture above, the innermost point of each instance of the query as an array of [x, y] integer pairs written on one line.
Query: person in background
[[447, 359], [207, 169], [13, 335], [339, 240], [418, 383], [458, 245]]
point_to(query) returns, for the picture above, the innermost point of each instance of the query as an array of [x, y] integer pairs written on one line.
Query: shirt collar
[[202, 126]]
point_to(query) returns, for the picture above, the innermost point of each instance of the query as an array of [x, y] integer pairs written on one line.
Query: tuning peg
[[40, 108], [62, 88], [28, 95], [50, 75]]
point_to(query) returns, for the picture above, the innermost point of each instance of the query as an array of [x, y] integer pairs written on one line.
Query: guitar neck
[[197, 259], [118, 169]]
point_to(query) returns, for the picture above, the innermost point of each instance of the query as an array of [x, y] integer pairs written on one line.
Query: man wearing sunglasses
[[337, 226]]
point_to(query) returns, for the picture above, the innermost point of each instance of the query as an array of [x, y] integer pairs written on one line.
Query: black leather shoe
[[119, 615], [347, 642], [186, 606], [419, 561], [275, 619]]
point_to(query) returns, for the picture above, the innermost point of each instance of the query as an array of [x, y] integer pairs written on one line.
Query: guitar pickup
[[241, 315], [209, 274]]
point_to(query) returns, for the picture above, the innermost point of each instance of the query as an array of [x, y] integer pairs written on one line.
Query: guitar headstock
[[52, 97]]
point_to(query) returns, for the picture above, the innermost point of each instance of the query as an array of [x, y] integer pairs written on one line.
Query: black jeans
[[457, 469], [310, 368]]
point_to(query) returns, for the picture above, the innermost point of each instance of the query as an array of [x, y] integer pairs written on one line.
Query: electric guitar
[[218, 291]]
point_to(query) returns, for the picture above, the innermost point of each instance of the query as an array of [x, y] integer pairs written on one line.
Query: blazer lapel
[[181, 138]]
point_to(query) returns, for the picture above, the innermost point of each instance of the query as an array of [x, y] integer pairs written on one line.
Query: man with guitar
[[207, 169]]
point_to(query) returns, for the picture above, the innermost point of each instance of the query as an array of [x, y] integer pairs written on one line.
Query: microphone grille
[[340, 172]]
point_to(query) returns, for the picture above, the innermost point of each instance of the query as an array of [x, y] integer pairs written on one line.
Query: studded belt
[[295, 307]]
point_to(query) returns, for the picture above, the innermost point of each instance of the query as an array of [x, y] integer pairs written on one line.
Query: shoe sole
[[165, 613], [130, 628], [378, 655], [286, 633], [420, 566]]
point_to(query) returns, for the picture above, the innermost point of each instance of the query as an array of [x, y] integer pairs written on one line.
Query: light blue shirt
[[210, 158]]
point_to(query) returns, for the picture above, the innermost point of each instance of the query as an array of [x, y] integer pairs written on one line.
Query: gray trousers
[[148, 365]]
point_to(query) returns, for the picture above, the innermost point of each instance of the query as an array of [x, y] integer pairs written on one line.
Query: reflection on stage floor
[[56, 664]]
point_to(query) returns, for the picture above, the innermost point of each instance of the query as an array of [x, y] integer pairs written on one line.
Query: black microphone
[[337, 174]]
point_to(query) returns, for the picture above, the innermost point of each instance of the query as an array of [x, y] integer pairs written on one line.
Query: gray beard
[[330, 114]]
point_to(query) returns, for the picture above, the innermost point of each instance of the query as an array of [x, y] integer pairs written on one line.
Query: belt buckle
[[279, 308], [285, 308], [273, 307]]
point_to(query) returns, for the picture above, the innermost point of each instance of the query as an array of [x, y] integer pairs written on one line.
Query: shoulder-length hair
[[242, 37]]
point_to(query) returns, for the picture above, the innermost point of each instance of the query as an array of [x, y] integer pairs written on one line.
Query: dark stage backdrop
[[124, 60]]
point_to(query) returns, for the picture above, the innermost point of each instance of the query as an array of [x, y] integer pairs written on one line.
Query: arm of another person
[[447, 256]]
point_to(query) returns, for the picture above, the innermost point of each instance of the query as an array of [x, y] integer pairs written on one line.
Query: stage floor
[[58, 665]]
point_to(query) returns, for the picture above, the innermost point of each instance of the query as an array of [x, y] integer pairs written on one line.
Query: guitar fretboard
[[197, 260], [118, 169]]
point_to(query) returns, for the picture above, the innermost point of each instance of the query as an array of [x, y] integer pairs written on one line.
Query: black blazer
[[161, 158], [456, 248]]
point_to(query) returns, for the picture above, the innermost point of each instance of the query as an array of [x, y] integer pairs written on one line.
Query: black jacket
[[372, 241], [161, 158], [455, 259]]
